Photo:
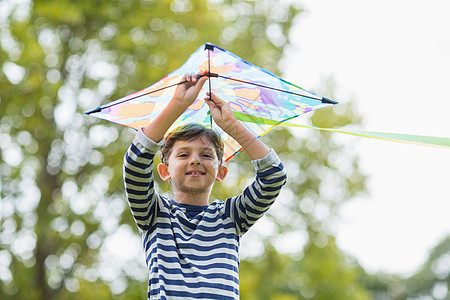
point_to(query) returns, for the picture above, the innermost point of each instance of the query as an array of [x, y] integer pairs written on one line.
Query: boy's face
[[193, 166]]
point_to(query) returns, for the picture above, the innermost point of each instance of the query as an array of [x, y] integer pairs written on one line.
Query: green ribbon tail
[[433, 141]]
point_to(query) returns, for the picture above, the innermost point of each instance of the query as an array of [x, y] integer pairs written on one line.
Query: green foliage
[[433, 279], [328, 274], [319, 273]]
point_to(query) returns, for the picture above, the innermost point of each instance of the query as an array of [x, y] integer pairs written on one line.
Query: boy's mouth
[[195, 173]]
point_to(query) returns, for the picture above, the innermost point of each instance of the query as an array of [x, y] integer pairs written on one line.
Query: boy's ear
[[163, 171], [223, 171]]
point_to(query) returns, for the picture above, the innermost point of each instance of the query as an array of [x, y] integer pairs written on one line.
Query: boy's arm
[[139, 182], [256, 199], [224, 117], [248, 207], [138, 162], [184, 96]]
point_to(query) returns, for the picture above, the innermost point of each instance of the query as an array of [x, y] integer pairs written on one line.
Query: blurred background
[[65, 228]]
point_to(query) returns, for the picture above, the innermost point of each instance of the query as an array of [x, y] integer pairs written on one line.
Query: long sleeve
[[139, 180], [257, 198]]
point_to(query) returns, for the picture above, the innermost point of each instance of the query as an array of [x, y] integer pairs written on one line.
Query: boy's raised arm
[[184, 96], [223, 116]]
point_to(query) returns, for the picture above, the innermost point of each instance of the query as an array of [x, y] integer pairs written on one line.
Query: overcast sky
[[393, 58]]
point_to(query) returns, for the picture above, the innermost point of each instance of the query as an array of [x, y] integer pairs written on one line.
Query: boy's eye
[[207, 155], [183, 155]]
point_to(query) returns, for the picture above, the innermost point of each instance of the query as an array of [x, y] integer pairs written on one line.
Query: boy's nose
[[195, 160]]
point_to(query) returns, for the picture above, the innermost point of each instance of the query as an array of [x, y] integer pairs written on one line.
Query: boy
[[191, 246]]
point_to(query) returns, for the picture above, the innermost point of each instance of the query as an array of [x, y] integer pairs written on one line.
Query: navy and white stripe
[[192, 252]]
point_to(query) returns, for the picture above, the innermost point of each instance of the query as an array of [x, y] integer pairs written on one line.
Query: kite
[[258, 98], [254, 95]]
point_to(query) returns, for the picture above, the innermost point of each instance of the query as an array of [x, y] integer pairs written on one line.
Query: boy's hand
[[187, 92], [185, 95], [221, 112], [223, 116]]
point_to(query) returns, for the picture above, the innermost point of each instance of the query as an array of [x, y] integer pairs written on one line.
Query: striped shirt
[[192, 252]]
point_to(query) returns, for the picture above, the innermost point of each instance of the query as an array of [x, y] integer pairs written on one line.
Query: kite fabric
[[258, 98], [249, 90]]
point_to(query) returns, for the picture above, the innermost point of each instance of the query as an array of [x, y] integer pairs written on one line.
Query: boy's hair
[[190, 132]]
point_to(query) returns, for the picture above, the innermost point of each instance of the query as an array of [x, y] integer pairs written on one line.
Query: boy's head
[[192, 160], [190, 132]]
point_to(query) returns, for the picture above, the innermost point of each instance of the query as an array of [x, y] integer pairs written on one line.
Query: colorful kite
[[258, 98], [252, 93]]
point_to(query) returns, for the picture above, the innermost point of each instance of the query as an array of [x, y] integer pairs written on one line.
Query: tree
[[319, 272], [433, 279], [61, 182]]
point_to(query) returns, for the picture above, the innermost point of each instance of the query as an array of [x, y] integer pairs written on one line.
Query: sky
[[392, 57]]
